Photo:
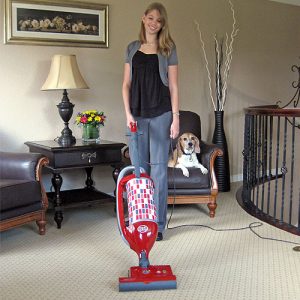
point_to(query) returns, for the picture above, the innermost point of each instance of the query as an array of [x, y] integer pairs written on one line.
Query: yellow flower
[[97, 118], [90, 119]]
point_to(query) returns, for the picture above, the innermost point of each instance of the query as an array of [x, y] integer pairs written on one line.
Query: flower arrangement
[[93, 117], [223, 60]]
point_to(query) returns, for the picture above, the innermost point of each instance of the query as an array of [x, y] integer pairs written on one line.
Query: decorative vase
[[221, 162], [90, 133]]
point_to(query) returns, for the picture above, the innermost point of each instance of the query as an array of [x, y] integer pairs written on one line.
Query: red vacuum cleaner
[[140, 234]]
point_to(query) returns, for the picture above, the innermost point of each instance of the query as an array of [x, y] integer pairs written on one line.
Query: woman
[[150, 95]]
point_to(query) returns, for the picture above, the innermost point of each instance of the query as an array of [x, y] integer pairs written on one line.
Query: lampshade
[[64, 74]]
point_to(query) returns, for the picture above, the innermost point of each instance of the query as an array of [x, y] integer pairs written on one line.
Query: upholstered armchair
[[198, 187], [22, 195]]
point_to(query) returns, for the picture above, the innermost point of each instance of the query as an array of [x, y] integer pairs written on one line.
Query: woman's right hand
[[130, 119]]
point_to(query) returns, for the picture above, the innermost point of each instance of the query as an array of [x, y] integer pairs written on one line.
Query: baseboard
[[236, 178]]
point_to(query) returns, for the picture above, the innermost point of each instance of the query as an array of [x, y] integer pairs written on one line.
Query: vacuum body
[[136, 189]]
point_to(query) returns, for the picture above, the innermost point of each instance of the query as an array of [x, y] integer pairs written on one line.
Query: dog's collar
[[188, 154]]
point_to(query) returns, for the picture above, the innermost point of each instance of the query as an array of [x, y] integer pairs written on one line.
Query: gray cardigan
[[163, 61]]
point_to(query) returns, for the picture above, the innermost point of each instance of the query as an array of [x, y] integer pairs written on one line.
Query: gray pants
[[153, 148]]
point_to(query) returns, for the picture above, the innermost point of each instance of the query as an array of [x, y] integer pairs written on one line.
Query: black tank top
[[149, 97]]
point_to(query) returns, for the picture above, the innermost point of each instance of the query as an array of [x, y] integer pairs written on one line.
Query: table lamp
[[64, 75]]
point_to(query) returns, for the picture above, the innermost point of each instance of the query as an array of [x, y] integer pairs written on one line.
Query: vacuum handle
[[133, 126], [134, 148]]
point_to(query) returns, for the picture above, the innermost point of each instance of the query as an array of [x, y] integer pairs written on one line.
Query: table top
[[51, 145], [79, 155]]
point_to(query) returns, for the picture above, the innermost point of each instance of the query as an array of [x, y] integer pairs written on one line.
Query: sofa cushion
[[20, 211], [17, 193], [196, 180]]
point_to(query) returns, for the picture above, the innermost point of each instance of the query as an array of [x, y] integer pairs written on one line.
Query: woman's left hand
[[174, 130]]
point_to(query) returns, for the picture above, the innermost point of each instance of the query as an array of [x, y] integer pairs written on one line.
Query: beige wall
[[267, 45]]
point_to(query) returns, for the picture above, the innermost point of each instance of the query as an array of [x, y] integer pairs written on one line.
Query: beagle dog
[[184, 156]]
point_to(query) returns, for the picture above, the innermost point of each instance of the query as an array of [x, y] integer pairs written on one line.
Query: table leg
[[89, 181], [57, 183], [115, 175]]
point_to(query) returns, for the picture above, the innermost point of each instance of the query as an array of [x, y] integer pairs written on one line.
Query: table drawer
[[87, 157]]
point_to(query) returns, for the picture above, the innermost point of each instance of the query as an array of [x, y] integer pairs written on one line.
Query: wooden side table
[[80, 155]]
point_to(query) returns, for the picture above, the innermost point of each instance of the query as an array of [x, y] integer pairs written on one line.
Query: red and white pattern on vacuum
[[141, 204]]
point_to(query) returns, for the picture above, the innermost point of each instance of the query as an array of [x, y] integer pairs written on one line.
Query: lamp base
[[65, 109], [66, 138]]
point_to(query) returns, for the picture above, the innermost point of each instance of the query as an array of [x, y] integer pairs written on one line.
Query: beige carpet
[[84, 259]]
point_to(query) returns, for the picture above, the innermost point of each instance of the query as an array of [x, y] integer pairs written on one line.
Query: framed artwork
[[56, 23]]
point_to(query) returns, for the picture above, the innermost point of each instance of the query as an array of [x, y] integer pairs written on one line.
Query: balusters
[[277, 165], [258, 161], [264, 158], [283, 170], [246, 161], [292, 172], [270, 164], [271, 173]]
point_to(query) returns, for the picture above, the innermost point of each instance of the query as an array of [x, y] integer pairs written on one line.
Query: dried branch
[[228, 54], [221, 69], [219, 63], [206, 64]]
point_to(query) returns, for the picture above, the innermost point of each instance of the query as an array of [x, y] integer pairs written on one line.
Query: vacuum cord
[[251, 226]]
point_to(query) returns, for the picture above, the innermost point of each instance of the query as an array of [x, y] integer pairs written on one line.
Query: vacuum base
[[151, 278]]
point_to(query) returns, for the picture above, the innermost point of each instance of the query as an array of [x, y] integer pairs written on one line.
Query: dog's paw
[[186, 172], [204, 170]]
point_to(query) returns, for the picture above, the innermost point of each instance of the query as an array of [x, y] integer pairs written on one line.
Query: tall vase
[[222, 162]]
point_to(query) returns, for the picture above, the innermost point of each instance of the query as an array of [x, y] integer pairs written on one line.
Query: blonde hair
[[165, 41]]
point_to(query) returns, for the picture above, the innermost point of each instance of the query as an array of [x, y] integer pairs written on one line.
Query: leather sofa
[[22, 195]]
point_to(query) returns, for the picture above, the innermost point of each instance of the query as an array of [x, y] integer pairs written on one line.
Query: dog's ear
[[197, 145], [179, 148]]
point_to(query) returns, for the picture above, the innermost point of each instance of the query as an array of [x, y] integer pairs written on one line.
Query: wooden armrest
[[208, 155], [44, 161]]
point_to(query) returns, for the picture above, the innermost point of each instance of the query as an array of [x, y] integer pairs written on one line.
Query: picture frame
[[56, 23]]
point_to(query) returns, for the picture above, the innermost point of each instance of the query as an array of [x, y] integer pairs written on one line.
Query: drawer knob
[[89, 156]]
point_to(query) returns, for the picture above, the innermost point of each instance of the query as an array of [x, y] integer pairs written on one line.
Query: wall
[[266, 47]]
